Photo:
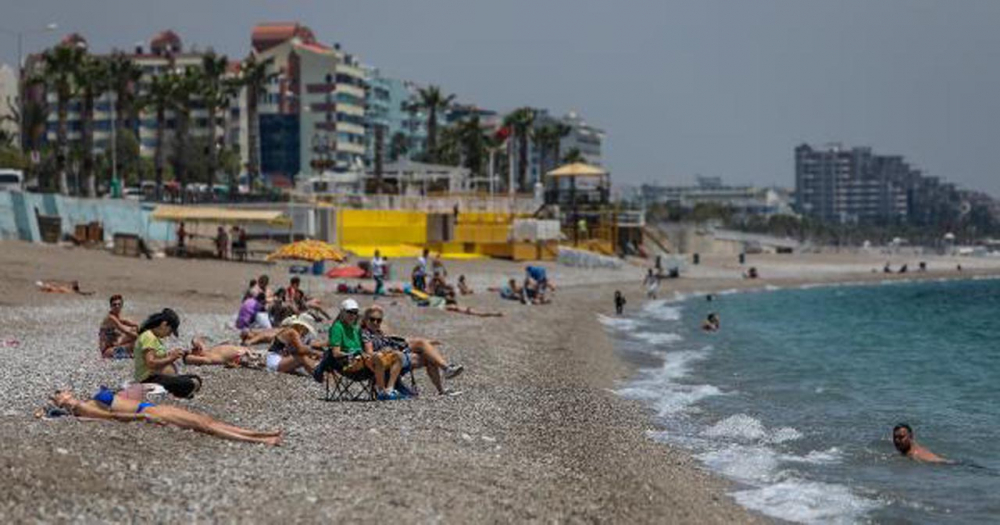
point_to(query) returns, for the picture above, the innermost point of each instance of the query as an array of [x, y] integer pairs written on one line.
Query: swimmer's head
[[902, 437]]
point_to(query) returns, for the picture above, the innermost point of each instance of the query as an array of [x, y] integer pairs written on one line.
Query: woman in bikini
[[110, 406], [117, 334], [291, 348]]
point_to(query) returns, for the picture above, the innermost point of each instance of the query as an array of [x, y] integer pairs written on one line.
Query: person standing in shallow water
[[902, 438], [619, 302]]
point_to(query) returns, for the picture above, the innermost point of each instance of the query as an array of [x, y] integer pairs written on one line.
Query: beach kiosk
[[201, 219], [584, 191]]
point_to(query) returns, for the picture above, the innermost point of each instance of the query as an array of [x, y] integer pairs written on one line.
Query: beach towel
[[346, 272]]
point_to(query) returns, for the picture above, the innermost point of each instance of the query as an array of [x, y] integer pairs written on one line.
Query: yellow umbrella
[[308, 250]]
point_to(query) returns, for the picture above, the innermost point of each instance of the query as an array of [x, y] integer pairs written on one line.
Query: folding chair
[[342, 385]]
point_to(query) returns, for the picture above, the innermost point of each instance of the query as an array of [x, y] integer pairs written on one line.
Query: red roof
[[268, 35], [74, 40], [165, 40]]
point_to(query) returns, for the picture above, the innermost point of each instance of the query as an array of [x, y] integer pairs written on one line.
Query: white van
[[11, 179]]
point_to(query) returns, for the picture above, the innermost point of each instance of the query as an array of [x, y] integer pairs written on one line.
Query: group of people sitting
[[537, 287], [264, 308], [355, 341]]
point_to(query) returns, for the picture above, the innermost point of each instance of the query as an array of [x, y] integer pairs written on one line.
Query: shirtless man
[[117, 333], [902, 438]]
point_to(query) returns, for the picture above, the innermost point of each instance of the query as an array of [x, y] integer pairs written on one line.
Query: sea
[[795, 398]]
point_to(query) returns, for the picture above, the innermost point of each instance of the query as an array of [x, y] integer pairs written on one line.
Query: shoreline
[[537, 435]]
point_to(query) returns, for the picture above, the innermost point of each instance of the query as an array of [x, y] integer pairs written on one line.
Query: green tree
[[433, 100], [216, 91], [521, 123], [160, 96], [254, 76], [91, 79], [59, 69], [548, 139], [399, 146], [573, 155], [123, 77]]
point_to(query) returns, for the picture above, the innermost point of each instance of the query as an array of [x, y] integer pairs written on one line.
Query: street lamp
[[20, 73]]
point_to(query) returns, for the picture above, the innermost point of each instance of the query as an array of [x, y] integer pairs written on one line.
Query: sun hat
[[349, 304], [296, 320]]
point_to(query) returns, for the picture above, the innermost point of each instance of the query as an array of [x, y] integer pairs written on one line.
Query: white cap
[[349, 304]]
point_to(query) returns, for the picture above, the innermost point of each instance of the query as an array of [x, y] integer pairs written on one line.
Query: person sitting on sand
[[154, 364], [463, 287], [302, 302], [117, 334], [511, 291], [291, 351], [902, 438], [224, 354], [252, 314], [61, 287], [711, 323], [440, 288], [112, 406], [415, 352]]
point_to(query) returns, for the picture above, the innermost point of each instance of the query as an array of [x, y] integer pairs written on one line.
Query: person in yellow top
[[154, 363]]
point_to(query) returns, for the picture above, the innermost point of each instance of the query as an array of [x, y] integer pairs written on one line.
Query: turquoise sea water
[[795, 398]]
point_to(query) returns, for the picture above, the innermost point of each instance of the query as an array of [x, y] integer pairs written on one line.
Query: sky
[[713, 87]]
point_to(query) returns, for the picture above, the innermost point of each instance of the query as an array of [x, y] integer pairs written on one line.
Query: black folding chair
[[342, 385]]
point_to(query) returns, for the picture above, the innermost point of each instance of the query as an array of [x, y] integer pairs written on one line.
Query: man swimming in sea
[[902, 438]]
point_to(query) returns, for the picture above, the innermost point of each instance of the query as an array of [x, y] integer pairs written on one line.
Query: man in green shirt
[[345, 338]]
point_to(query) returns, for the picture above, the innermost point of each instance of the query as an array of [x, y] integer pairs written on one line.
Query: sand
[[537, 435]]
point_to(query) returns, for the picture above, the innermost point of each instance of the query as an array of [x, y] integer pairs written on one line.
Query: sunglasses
[[352, 312], [376, 320]]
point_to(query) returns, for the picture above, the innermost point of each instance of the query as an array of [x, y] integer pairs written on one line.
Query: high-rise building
[[312, 112], [836, 184], [391, 107], [165, 54]]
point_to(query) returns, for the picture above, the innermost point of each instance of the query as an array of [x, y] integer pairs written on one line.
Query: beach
[[538, 433]]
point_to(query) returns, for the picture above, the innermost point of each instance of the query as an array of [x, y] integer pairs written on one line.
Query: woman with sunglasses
[[117, 334], [415, 352], [345, 342]]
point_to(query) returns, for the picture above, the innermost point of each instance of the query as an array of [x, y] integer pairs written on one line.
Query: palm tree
[[521, 121], [473, 144], [124, 76], [399, 146], [60, 67], [573, 155], [254, 76], [186, 87], [160, 97], [216, 91], [91, 80], [433, 100]]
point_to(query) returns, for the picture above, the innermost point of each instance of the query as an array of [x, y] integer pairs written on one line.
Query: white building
[[8, 101]]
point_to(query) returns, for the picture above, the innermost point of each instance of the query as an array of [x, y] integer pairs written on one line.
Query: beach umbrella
[[308, 250]]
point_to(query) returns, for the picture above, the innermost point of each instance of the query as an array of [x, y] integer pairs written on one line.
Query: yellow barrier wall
[[381, 227]]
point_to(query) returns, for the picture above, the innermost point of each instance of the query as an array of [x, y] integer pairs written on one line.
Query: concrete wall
[[17, 216]]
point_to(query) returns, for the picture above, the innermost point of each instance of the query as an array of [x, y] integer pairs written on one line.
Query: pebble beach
[[536, 435]]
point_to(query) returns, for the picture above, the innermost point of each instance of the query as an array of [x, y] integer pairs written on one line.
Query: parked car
[[11, 180]]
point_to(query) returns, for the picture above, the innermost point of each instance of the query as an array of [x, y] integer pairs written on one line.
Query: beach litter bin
[[318, 267]]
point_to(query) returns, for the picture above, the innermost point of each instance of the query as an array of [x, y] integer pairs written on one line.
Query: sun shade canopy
[[221, 215], [577, 169]]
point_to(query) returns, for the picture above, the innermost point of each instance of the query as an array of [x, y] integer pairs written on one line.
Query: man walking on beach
[[902, 438], [378, 273]]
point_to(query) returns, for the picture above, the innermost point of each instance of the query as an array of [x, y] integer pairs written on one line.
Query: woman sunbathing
[[228, 355], [107, 405], [61, 287], [416, 352]]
